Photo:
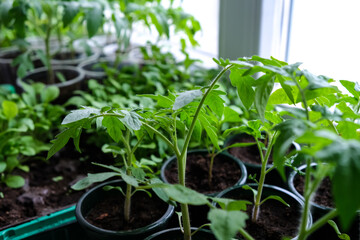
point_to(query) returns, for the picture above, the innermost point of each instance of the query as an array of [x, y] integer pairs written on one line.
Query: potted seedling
[[328, 159], [122, 126]]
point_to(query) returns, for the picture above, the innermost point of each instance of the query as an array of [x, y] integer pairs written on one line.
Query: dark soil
[[275, 221], [43, 76], [41, 194], [225, 173], [109, 214], [66, 55], [323, 195], [248, 154]]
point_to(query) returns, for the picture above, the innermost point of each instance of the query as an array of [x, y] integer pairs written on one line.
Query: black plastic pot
[[7, 71], [93, 70], [326, 232], [239, 193], [224, 156], [97, 194], [176, 234], [69, 58], [73, 75], [273, 177]]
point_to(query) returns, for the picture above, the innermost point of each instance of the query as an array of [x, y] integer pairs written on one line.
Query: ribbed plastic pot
[[7, 71], [97, 194], [55, 226], [73, 75], [318, 211], [176, 234], [238, 192], [273, 177], [224, 156]]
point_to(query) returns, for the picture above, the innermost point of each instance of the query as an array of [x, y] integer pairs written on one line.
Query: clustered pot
[[319, 210], [176, 234], [73, 75], [251, 159], [96, 195], [198, 171], [288, 215]]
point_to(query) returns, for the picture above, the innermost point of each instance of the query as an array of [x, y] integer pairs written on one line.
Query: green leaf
[[316, 81], [210, 131], [162, 101], [93, 178], [2, 167], [346, 110], [185, 98], [231, 204], [114, 127], [14, 181], [352, 87], [289, 131], [286, 88], [215, 102], [335, 227], [262, 93], [348, 129], [346, 179], [10, 109], [244, 86], [225, 224], [71, 9], [277, 198], [94, 19], [131, 119], [60, 141], [185, 195], [138, 173], [255, 192], [76, 115], [50, 93], [230, 115]]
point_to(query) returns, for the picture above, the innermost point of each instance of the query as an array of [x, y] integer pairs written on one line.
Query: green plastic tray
[[59, 225]]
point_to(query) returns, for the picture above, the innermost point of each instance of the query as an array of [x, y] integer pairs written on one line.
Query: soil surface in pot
[[46, 189], [109, 214], [43, 76], [225, 173], [323, 195], [275, 221], [248, 154], [67, 55]]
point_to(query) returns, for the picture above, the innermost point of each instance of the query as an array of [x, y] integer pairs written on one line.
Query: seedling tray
[[60, 225]]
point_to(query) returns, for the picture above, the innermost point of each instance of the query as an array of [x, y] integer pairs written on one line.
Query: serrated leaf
[[215, 102], [94, 20], [210, 131], [231, 204], [244, 86], [10, 109], [80, 114], [14, 181], [230, 115], [162, 101], [262, 93], [131, 119], [114, 127], [93, 178], [185, 195], [225, 224], [185, 98], [348, 129], [346, 179], [138, 173], [60, 141], [352, 87]]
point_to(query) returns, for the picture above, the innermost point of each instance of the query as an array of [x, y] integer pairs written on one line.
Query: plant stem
[[264, 162], [51, 78], [321, 222], [245, 234], [182, 159], [129, 153], [213, 155]]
